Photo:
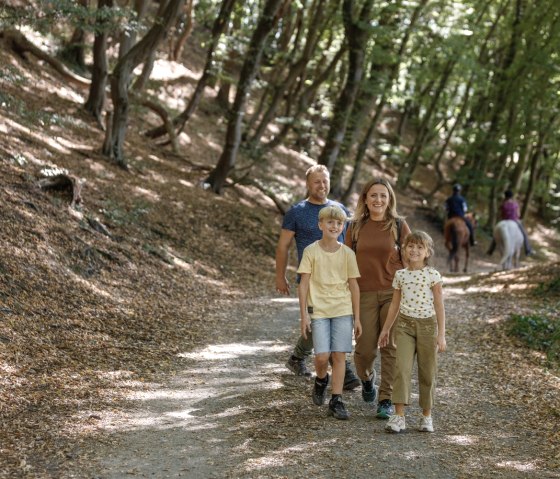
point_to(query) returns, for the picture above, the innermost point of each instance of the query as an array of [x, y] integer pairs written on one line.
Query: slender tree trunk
[[295, 71], [499, 101], [405, 174], [305, 98], [96, 99], [392, 74], [220, 25], [185, 32], [357, 34], [120, 79], [266, 23], [74, 51]]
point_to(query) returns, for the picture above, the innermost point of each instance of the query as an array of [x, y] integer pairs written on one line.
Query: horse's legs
[[466, 258]]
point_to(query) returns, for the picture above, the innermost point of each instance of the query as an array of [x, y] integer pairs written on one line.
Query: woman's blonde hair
[[361, 215], [423, 238], [332, 212]]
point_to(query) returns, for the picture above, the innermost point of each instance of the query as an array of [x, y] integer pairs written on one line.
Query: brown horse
[[457, 236]]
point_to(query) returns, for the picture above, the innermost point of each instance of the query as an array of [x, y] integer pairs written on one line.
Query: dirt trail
[[236, 412]]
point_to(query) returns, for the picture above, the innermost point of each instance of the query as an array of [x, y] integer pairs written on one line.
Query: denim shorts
[[332, 334]]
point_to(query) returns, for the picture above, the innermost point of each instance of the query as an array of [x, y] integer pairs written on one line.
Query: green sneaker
[[385, 409]]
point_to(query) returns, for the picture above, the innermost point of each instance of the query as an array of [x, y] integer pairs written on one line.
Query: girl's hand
[[305, 326], [383, 338], [441, 344], [357, 329]]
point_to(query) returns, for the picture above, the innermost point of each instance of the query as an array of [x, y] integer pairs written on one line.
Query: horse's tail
[[505, 245]]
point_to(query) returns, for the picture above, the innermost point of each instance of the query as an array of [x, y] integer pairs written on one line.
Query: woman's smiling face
[[377, 201]]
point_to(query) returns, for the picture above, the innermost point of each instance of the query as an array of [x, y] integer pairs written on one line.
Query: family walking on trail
[[363, 277]]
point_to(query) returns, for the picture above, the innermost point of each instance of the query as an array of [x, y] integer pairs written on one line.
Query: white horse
[[509, 241]]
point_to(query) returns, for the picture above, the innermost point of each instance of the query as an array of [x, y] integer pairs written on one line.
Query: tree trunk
[[476, 166], [357, 33], [74, 51], [185, 33], [96, 99], [120, 79], [220, 25], [405, 174], [305, 98], [295, 71], [266, 23], [393, 70]]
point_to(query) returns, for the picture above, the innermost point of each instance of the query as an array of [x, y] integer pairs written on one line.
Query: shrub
[[539, 332]]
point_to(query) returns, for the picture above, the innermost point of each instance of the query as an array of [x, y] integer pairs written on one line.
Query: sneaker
[[368, 390], [319, 393], [395, 424], [385, 409], [351, 381], [337, 409], [426, 424], [298, 367]]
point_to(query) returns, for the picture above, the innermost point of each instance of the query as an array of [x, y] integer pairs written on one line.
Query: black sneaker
[[385, 409], [298, 367], [337, 409], [351, 381], [368, 390], [319, 393]]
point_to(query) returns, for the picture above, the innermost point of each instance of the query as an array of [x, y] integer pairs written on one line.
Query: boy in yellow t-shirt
[[328, 297]]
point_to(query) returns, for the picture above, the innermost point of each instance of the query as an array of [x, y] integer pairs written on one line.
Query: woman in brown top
[[375, 234]]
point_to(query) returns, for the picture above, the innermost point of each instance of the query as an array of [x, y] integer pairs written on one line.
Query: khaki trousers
[[374, 306], [416, 338]]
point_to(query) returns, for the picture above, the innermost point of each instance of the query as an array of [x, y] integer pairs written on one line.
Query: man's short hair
[[316, 169], [332, 212]]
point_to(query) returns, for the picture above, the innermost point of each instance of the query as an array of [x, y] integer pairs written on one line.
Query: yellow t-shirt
[[329, 295]]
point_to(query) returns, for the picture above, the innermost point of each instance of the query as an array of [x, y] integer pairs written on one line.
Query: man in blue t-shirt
[[301, 223], [456, 205]]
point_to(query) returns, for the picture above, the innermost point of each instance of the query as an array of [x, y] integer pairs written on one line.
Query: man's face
[[318, 185]]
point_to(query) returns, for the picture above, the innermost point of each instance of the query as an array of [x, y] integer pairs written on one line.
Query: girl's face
[[377, 201], [416, 254]]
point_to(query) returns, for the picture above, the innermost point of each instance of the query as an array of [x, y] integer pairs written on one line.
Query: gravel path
[[236, 412]]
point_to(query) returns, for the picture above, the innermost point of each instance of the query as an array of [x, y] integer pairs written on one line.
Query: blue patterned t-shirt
[[303, 219]]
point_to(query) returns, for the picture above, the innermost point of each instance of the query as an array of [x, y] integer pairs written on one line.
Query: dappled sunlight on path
[[235, 411]]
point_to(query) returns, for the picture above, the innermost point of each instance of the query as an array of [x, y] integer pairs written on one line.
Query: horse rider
[[509, 210], [456, 205]]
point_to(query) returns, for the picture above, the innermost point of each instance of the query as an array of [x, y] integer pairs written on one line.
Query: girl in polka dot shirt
[[417, 306]]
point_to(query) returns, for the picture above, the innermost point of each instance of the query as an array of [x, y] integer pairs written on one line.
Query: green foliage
[[11, 75], [540, 332], [120, 216], [550, 288], [53, 14], [32, 117]]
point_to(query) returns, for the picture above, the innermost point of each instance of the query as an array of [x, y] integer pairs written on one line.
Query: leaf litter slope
[[158, 345]]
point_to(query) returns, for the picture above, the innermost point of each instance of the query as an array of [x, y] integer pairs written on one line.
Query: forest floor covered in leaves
[[139, 337]]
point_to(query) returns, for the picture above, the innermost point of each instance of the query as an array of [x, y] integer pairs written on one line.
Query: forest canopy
[[465, 89]]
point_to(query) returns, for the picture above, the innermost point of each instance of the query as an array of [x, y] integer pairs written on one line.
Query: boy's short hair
[[332, 212], [423, 238], [316, 169]]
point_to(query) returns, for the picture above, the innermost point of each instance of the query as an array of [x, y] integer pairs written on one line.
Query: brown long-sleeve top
[[377, 255]]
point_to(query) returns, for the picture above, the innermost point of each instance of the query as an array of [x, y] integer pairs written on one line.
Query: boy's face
[[331, 228]]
